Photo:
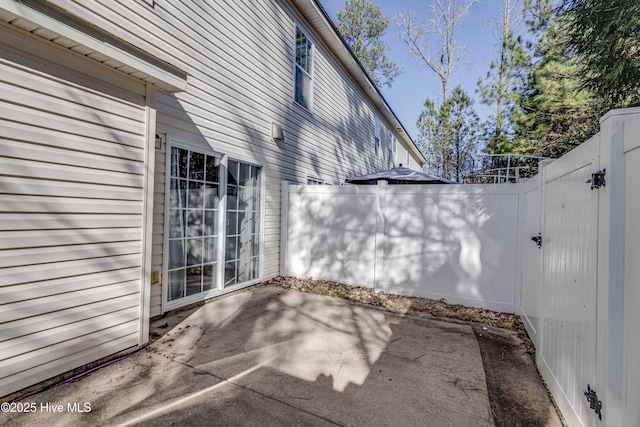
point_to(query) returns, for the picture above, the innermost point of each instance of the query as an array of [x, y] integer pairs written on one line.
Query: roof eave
[[324, 26]]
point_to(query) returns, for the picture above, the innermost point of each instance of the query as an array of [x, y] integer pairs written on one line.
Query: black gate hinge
[[597, 179], [594, 403]]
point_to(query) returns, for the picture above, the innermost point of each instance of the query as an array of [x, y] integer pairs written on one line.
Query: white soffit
[[26, 18]]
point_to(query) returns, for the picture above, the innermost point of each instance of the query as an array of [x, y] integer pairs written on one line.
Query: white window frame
[[392, 149], [311, 180], [377, 134], [167, 304], [297, 67]]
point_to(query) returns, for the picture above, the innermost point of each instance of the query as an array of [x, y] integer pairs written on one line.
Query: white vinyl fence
[[457, 242], [581, 292], [578, 293]]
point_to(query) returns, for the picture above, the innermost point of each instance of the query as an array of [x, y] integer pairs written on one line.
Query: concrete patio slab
[[268, 356]]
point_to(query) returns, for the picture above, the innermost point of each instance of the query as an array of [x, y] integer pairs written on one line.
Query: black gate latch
[[594, 403], [537, 239], [597, 179]]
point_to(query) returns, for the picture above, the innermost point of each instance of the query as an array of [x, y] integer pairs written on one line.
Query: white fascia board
[[150, 72]]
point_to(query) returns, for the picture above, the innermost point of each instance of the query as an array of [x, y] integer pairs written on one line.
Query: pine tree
[[552, 113], [496, 88], [362, 26], [464, 129], [442, 54], [448, 135], [604, 35]]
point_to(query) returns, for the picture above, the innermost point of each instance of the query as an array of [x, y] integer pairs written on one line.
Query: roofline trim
[[145, 69], [362, 78]]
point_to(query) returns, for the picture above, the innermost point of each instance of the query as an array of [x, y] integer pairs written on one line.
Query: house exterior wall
[[239, 57], [158, 243], [72, 189]]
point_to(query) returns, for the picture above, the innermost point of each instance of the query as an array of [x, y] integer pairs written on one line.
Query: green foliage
[[339, 294], [321, 290], [553, 113], [448, 135], [496, 89], [605, 37], [362, 25]]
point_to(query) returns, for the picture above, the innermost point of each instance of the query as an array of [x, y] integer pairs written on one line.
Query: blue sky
[[416, 83]]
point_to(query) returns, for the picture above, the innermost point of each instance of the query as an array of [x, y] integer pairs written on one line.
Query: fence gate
[[569, 280], [531, 253]]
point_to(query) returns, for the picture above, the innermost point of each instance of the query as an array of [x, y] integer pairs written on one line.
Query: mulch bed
[[437, 308]]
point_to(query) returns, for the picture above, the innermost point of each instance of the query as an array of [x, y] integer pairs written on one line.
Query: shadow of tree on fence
[[432, 241]]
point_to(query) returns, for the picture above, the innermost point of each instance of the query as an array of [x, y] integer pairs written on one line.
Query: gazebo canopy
[[398, 175]]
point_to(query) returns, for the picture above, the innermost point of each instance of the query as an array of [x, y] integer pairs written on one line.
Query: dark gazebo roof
[[398, 175]]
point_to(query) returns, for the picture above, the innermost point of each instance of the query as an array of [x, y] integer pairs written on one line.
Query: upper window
[[304, 69], [392, 150], [314, 181], [377, 135]]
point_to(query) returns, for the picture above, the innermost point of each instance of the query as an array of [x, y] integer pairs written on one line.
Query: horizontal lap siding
[[239, 56], [240, 88], [71, 200]]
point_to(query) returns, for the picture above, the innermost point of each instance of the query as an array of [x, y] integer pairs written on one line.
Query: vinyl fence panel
[[578, 294], [453, 242], [631, 374], [332, 233], [438, 241]]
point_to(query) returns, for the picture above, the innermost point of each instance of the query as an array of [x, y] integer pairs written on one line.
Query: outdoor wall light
[[277, 133], [159, 140]]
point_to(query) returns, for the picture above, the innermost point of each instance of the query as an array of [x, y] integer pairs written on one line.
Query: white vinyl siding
[[401, 155], [71, 203], [233, 98]]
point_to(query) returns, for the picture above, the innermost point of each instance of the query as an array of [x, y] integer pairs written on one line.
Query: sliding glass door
[[213, 225]]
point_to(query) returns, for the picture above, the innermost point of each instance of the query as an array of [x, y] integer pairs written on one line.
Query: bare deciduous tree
[[433, 42]]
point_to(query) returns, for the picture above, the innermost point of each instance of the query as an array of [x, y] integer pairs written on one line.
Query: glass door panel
[[242, 218], [194, 202]]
